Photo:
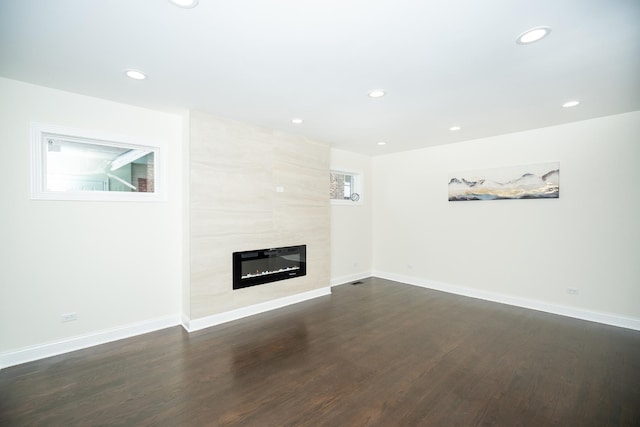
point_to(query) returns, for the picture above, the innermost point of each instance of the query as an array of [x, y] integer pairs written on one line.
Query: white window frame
[[357, 188], [39, 135]]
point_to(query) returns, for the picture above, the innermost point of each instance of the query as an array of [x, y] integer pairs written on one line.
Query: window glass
[[74, 167], [344, 186], [84, 166]]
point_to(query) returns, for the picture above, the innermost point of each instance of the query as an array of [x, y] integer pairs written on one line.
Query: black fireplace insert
[[260, 266]]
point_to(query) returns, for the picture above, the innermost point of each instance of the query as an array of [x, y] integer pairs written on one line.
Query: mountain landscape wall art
[[539, 181]]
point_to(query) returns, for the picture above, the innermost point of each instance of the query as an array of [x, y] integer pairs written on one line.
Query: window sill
[[345, 202]]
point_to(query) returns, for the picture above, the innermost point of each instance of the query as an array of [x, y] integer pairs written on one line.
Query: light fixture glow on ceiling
[[377, 93], [455, 128], [136, 75], [382, 143], [570, 104], [297, 121], [533, 35], [185, 4]]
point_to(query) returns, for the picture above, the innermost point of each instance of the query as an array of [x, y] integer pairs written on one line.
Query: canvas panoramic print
[[539, 181]]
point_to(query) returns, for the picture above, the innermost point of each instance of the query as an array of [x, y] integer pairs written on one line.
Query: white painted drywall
[[588, 239], [113, 263], [351, 233]]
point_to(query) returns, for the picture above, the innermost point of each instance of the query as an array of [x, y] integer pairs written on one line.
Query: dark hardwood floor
[[376, 354]]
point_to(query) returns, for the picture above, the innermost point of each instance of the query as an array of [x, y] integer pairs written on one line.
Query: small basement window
[[69, 164], [344, 187]]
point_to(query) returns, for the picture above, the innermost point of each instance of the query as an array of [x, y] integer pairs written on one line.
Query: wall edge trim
[[193, 325], [342, 280], [562, 310], [79, 342]]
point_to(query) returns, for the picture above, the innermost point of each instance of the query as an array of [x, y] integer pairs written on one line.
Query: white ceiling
[[442, 63]]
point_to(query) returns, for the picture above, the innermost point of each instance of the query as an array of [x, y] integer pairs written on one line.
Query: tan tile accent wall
[[235, 169]]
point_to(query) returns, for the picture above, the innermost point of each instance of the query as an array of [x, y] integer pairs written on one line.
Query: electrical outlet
[[572, 291], [69, 317]]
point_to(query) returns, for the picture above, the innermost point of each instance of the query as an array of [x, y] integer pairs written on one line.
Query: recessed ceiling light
[[376, 93], [533, 35], [455, 128], [382, 143], [570, 104], [136, 75], [185, 4], [297, 121]]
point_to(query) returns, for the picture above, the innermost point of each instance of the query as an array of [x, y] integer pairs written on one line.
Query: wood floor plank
[[377, 354]]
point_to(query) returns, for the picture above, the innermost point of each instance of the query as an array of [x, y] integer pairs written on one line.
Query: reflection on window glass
[[84, 166]]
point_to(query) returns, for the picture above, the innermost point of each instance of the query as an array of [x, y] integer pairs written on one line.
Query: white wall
[[114, 263], [118, 264], [532, 250], [351, 233]]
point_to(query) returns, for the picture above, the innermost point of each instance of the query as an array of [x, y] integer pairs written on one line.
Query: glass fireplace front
[[260, 266]]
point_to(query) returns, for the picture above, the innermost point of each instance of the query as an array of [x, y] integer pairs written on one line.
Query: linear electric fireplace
[[260, 266]]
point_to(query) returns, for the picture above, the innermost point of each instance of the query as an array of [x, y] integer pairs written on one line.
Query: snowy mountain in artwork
[[526, 186]]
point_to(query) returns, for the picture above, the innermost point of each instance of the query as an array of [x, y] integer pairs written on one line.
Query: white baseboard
[[228, 316], [29, 354], [55, 348], [350, 278], [577, 313], [185, 322]]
